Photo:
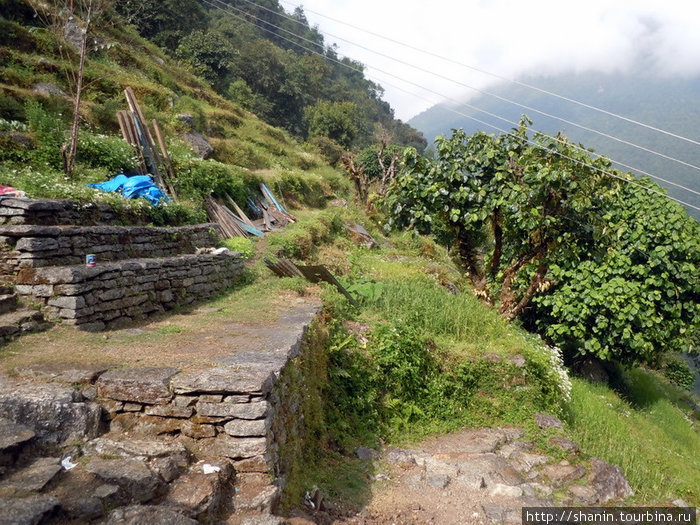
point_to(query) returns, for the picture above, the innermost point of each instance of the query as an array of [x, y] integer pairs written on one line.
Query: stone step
[[13, 324], [31, 246], [8, 303], [13, 436], [114, 294]]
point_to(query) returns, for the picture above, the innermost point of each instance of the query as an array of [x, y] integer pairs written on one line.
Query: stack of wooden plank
[[235, 223], [136, 132]]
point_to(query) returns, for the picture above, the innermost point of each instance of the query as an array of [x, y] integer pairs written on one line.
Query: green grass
[[655, 444]]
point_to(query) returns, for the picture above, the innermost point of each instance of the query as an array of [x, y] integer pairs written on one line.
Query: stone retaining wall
[[48, 212], [111, 295], [28, 246], [244, 410]]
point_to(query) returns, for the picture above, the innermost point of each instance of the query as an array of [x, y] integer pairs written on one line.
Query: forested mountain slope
[[671, 104]]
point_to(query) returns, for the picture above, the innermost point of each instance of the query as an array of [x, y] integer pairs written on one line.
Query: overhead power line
[[500, 77], [475, 108], [228, 8], [490, 94]]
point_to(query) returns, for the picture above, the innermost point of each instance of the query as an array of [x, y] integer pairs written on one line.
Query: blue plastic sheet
[[133, 188]]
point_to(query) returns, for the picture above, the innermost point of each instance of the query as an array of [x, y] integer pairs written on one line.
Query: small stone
[[197, 431], [366, 454], [233, 410], [547, 421], [211, 398], [439, 481], [246, 428], [564, 444], [254, 464], [170, 411], [507, 491], [132, 407]]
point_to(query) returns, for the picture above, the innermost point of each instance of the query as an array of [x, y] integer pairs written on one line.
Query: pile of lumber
[[234, 222], [136, 132]]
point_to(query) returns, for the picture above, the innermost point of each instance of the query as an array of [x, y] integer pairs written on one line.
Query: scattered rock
[[199, 144], [13, 434], [439, 481], [517, 360], [564, 443], [132, 475], [48, 89], [507, 491], [547, 421], [582, 495], [366, 454], [501, 514], [32, 478], [608, 481], [492, 358], [187, 119], [562, 473], [151, 515], [198, 493]]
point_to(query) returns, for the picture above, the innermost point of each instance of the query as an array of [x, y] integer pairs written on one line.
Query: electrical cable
[[493, 95], [227, 8], [500, 77]]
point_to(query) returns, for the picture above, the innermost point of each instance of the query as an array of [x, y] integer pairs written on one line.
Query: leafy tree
[[209, 55], [640, 291], [537, 217], [335, 120]]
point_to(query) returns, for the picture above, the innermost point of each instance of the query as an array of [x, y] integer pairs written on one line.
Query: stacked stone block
[[29, 246], [112, 295], [139, 271], [63, 211]]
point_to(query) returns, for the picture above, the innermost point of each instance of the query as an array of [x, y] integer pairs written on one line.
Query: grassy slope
[[245, 148]]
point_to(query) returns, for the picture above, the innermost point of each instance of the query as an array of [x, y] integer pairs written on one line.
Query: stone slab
[[26, 511], [32, 478], [148, 385], [13, 434], [255, 410], [62, 372], [225, 381], [235, 448]]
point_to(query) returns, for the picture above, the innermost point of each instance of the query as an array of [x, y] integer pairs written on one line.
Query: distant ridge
[[672, 104]]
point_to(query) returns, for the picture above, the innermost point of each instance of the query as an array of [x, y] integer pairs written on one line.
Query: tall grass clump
[[651, 439]]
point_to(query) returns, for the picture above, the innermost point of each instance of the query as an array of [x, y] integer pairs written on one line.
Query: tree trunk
[[69, 159], [473, 263]]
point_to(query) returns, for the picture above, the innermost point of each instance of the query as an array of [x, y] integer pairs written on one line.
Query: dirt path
[[478, 477]]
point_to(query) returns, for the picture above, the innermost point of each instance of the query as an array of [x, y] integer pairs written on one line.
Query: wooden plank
[[148, 144], [316, 274], [166, 157], [239, 211]]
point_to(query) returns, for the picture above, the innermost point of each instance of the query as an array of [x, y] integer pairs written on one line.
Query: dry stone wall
[[112, 295], [29, 246], [243, 411], [63, 211]]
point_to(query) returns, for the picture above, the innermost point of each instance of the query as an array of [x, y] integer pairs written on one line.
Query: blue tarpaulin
[[134, 187]]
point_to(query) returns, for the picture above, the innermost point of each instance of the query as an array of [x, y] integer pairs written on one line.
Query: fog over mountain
[[669, 103]]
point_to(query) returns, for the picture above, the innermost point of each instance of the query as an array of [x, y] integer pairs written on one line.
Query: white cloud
[[510, 38]]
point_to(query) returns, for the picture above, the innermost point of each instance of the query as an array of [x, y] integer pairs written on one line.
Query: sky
[[510, 38]]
